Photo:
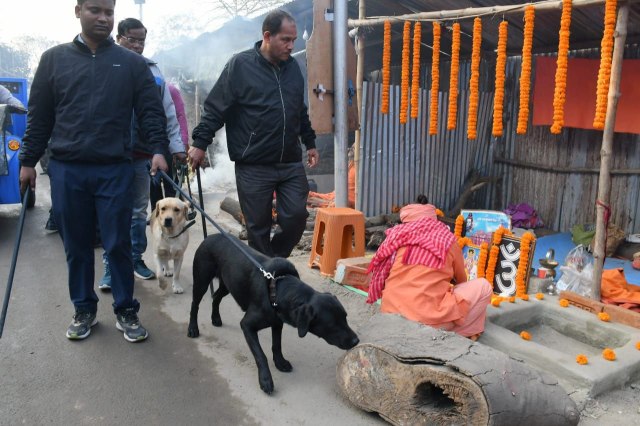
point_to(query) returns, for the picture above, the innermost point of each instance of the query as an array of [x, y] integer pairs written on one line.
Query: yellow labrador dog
[[170, 239]]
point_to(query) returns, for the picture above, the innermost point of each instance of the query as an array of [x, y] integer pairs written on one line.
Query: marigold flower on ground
[[603, 316], [525, 335], [495, 301], [512, 299], [582, 359], [524, 297], [564, 303], [609, 354], [638, 346], [539, 296]]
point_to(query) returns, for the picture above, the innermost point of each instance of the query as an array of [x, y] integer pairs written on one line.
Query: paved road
[[167, 380]]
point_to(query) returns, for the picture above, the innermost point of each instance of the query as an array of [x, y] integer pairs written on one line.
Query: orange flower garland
[[453, 78], [495, 301], [457, 231], [525, 335], [564, 303], [524, 297], [494, 252], [512, 299], [474, 87], [582, 359], [464, 241], [609, 354], [439, 213], [415, 74], [404, 82], [482, 259], [525, 73], [559, 93], [603, 316], [501, 66], [435, 80], [521, 274], [386, 68], [539, 296], [606, 55]]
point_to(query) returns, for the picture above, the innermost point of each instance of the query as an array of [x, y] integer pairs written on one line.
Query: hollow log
[[473, 183], [414, 374], [232, 207]]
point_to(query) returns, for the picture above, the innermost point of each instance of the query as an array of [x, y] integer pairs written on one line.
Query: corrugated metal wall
[[398, 162]]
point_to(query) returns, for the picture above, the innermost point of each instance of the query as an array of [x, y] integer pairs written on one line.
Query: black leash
[[204, 224], [14, 259], [187, 226], [267, 275]]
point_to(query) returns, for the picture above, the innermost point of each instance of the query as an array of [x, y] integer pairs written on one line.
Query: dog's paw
[[266, 384], [283, 365], [193, 331], [216, 320], [167, 272], [162, 283], [177, 289]]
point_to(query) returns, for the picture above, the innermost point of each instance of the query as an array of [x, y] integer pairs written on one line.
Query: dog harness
[[187, 226]]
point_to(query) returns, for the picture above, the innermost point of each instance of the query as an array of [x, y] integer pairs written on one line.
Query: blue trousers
[[256, 185], [80, 194]]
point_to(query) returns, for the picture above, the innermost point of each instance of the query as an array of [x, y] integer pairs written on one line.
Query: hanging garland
[[415, 82], [606, 55], [494, 252], [521, 274], [474, 92], [559, 94], [482, 259], [525, 73], [501, 66], [453, 78], [457, 231], [464, 242], [404, 83], [386, 68], [435, 80]]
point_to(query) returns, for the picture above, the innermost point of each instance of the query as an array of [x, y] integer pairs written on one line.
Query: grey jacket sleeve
[[173, 127]]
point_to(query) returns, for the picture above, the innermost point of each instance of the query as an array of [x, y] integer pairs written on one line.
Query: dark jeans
[[82, 194], [256, 185], [157, 183]]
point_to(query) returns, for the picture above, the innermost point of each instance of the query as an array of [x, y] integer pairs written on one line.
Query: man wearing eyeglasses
[[132, 35], [81, 103]]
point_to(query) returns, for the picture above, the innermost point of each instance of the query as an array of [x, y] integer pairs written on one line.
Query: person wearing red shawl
[[419, 272]]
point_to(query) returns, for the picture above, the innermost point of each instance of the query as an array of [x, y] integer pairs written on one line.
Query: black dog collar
[[187, 226], [272, 292]]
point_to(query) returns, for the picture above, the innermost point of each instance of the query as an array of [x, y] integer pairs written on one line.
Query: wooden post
[[359, 78], [604, 181]]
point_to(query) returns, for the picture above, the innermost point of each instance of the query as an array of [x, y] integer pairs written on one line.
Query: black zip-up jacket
[[81, 104], [263, 108]]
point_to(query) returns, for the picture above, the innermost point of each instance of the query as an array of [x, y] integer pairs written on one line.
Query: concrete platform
[[558, 335]]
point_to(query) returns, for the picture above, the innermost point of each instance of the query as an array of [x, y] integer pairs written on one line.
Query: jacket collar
[[78, 41], [256, 48]]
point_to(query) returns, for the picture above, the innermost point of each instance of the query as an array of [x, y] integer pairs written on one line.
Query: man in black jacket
[[82, 99], [260, 98]]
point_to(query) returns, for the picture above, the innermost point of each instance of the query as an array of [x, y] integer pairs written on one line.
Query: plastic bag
[[577, 272]]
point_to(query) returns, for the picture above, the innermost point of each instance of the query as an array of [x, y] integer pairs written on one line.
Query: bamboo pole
[[471, 12], [604, 181], [360, 39]]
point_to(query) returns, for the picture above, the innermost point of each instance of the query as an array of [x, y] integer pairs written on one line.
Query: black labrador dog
[[297, 304]]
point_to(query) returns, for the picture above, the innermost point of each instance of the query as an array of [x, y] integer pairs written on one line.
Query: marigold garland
[[439, 213], [415, 73], [453, 78], [512, 299], [582, 359], [495, 301], [457, 231], [564, 303], [559, 93], [525, 73], [386, 68], [525, 335], [609, 354], [501, 66], [474, 87], [603, 316], [606, 55], [435, 80], [482, 259], [404, 81], [539, 296], [521, 274], [494, 252], [464, 241], [524, 297]]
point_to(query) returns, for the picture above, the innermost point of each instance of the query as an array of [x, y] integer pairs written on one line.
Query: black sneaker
[[51, 226], [127, 321], [80, 327]]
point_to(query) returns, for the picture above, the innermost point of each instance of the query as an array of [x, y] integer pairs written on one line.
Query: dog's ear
[[305, 314], [156, 210]]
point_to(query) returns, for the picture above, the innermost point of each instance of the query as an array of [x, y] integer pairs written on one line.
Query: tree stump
[[232, 207], [413, 374]]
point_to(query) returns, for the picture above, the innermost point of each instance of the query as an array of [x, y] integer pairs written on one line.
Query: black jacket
[[82, 103], [263, 108]]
